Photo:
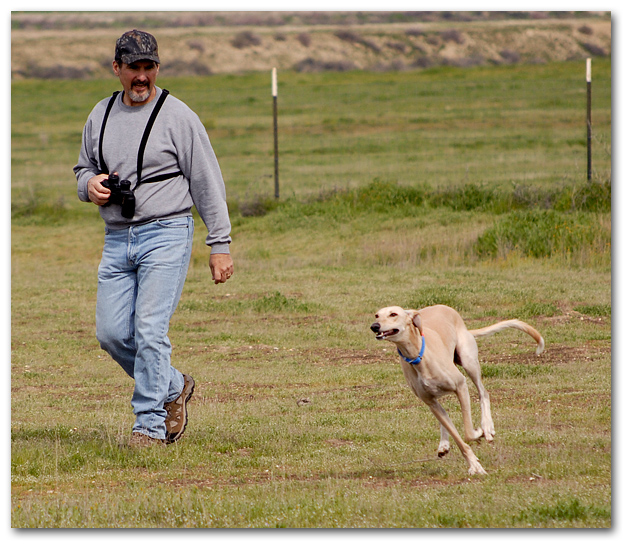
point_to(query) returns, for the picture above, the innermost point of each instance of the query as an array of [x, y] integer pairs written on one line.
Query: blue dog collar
[[421, 354]]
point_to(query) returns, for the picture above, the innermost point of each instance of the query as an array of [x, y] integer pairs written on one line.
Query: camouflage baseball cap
[[136, 45]]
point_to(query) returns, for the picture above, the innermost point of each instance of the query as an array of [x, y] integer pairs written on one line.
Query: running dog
[[430, 342]]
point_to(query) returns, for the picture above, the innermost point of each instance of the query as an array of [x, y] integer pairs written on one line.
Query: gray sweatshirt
[[178, 142]]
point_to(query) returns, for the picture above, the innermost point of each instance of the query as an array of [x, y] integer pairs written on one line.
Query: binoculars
[[121, 194]]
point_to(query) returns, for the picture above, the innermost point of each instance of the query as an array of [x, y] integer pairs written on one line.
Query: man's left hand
[[222, 267]]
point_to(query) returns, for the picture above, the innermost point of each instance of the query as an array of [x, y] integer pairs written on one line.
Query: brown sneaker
[[142, 440], [177, 417]]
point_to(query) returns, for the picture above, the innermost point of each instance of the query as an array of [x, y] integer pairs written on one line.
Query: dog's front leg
[[474, 466]]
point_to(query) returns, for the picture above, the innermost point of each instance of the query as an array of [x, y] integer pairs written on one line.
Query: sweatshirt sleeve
[[87, 166], [207, 188]]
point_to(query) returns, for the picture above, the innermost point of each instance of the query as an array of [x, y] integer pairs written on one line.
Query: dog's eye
[[393, 315]]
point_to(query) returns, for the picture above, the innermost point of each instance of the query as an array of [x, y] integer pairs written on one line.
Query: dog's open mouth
[[387, 333]]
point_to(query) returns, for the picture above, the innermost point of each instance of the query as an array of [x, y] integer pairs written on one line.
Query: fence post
[[275, 146], [588, 80]]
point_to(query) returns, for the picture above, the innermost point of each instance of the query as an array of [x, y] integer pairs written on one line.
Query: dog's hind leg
[[463, 394], [444, 443], [467, 357]]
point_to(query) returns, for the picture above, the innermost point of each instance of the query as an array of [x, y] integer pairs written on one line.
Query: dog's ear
[[416, 320]]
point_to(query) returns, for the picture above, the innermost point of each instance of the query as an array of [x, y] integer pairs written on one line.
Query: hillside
[[81, 45]]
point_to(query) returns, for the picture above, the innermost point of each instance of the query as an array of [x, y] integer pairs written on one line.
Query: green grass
[[300, 418], [446, 127]]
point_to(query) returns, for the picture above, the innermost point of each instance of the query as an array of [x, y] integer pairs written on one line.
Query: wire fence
[[444, 128]]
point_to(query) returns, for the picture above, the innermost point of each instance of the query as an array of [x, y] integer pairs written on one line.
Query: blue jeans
[[140, 279]]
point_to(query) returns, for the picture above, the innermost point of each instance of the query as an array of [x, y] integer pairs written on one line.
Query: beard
[[140, 96]]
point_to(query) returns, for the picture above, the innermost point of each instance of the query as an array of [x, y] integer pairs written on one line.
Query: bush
[[58, 72], [594, 196], [397, 46], [304, 39], [383, 196], [541, 233], [452, 36], [312, 65], [422, 62], [244, 39], [258, 206], [593, 49], [510, 56], [414, 32], [468, 197], [196, 45], [353, 38], [180, 68]]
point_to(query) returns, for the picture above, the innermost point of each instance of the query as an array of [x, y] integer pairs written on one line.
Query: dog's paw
[[476, 469], [444, 449], [478, 434], [488, 430]]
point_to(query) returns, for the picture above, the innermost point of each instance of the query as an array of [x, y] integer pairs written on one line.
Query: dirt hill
[[81, 45]]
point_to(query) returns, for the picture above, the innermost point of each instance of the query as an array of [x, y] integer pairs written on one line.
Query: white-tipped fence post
[[588, 82], [275, 146]]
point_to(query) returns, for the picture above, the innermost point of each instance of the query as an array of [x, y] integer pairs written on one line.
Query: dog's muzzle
[[375, 328]]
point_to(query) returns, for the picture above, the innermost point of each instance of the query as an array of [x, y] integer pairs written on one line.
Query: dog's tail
[[518, 324]]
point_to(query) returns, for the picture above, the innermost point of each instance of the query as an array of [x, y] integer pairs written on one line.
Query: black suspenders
[[145, 137], [103, 165]]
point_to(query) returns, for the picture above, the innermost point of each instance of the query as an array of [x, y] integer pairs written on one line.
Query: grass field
[[457, 186]]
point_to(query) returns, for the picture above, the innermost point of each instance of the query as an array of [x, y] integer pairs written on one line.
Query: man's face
[[138, 80]]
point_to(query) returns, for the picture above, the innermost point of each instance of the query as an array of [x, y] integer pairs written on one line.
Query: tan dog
[[430, 342]]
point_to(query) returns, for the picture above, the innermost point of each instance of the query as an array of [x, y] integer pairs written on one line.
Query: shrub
[[510, 56], [541, 233], [422, 62], [196, 45], [594, 196], [415, 32], [181, 68], [304, 39], [244, 39], [433, 40], [467, 197], [58, 72], [465, 62], [383, 195], [312, 65], [397, 46], [593, 49], [353, 38], [258, 206], [452, 36]]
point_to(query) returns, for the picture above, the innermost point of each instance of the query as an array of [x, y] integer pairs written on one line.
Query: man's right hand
[[98, 193]]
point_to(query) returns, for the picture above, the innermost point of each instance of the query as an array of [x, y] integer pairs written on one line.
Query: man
[[160, 146]]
